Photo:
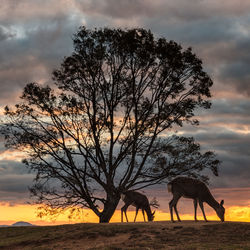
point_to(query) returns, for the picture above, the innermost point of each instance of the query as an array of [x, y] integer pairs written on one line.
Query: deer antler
[[154, 203]]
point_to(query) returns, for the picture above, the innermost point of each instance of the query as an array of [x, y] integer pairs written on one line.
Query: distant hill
[[21, 224]]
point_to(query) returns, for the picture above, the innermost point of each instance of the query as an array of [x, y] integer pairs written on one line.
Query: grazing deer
[[196, 190], [138, 200]]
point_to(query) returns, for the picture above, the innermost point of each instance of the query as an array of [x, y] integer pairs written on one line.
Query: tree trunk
[[109, 209]]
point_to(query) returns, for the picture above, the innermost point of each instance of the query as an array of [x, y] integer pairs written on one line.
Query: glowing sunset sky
[[36, 35]]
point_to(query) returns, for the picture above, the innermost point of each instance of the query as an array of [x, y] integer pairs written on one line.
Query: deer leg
[[143, 213], [136, 212], [171, 210], [124, 210], [195, 210], [175, 209], [172, 204], [126, 215], [122, 214], [202, 209]]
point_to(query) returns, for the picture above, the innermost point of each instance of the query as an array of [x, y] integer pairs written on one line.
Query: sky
[[36, 35]]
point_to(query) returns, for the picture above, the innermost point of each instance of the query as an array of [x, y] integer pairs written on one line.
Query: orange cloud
[[12, 155]]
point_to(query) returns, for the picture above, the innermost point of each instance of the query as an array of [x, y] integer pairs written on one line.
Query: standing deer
[[196, 190], [137, 200]]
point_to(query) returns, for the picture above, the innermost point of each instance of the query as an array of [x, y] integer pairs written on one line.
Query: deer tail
[[169, 187]]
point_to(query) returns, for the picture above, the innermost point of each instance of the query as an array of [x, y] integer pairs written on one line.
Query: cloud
[[228, 61], [232, 148], [14, 182], [118, 9], [23, 11], [5, 34], [170, 9], [32, 56], [11, 167], [225, 129]]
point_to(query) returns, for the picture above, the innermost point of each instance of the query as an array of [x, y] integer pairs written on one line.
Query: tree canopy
[[107, 124]]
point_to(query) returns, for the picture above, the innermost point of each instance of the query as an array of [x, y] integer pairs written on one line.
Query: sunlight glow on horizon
[[10, 214]]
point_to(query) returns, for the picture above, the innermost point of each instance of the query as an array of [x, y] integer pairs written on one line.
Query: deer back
[[134, 198], [189, 188]]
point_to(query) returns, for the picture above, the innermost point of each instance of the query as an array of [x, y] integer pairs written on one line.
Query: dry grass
[[115, 236]]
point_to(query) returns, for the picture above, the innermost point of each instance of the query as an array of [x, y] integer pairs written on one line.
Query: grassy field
[[152, 235]]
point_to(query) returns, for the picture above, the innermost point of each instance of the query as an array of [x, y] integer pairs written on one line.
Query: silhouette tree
[[96, 133]]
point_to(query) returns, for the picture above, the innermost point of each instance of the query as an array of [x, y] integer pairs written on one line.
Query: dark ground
[[114, 236]]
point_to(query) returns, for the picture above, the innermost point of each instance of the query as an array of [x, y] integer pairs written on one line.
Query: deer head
[[221, 211], [151, 217]]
